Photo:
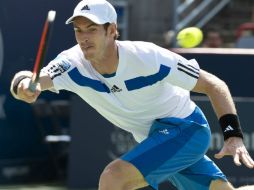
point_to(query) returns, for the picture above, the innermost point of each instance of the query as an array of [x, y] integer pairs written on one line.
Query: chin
[[88, 56]]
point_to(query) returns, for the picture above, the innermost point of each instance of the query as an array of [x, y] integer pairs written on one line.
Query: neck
[[108, 63]]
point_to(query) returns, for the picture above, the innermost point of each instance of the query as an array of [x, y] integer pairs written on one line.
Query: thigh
[[200, 176], [168, 150], [123, 172]]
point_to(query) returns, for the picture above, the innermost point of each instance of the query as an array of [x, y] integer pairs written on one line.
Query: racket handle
[[32, 86]]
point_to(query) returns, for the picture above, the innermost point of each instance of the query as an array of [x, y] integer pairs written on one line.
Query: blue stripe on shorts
[[175, 151]]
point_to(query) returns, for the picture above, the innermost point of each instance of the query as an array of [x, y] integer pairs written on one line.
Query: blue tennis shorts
[[175, 151]]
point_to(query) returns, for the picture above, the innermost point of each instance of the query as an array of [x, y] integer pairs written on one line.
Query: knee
[[220, 185], [112, 178], [121, 175]]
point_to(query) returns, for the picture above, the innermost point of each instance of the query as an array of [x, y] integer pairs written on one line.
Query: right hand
[[25, 94]]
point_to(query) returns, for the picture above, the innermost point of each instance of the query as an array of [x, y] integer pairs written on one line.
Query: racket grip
[[32, 86]]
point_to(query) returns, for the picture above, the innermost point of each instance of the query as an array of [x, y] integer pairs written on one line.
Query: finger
[[250, 160], [21, 86], [30, 99], [26, 95], [38, 90], [237, 159], [20, 91], [35, 95], [219, 155], [245, 160], [23, 89], [30, 93]]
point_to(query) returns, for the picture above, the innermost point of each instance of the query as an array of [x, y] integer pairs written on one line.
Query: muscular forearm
[[221, 99], [222, 102], [218, 93]]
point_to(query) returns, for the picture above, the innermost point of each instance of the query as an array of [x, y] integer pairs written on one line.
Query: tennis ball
[[189, 37]]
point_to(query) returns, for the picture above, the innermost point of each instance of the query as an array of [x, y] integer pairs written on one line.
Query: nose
[[83, 38], [84, 42]]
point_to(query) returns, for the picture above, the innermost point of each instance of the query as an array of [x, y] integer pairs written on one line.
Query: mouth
[[85, 48]]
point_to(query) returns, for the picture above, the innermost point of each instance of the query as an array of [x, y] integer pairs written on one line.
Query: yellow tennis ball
[[189, 37]]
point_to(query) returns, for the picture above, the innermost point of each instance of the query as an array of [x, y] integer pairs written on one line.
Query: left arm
[[223, 105], [217, 91]]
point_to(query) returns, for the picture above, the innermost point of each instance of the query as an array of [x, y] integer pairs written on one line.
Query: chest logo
[[115, 89]]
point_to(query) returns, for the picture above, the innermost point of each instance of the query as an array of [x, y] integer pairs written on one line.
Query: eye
[[92, 29]]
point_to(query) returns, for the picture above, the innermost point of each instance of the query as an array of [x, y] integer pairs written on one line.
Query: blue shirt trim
[[81, 80], [140, 82]]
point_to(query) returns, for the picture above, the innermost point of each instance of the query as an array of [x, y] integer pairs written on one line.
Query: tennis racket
[[41, 54]]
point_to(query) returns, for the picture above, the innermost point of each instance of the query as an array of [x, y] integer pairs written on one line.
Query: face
[[92, 38], [214, 39]]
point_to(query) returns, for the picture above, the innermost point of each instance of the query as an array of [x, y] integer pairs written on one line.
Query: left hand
[[234, 146]]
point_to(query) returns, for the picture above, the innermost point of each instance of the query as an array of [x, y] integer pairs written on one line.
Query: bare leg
[[121, 175], [220, 185]]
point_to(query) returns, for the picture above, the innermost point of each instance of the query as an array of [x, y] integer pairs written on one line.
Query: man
[[143, 89], [213, 39]]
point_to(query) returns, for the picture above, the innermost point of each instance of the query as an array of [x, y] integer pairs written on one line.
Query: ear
[[112, 30]]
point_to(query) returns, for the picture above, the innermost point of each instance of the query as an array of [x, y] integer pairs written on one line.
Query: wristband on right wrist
[[230, 126], [16, 83]]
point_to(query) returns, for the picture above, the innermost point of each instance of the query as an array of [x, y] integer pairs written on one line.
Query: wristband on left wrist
[[230, 126]]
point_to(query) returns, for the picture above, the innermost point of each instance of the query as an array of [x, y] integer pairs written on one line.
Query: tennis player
[[145, 90]]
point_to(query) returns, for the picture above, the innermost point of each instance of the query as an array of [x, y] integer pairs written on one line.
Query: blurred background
[[53, 143]]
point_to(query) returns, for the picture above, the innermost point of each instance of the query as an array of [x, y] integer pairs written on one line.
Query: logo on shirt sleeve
[[63, 66], [188, 69], [58, 67]]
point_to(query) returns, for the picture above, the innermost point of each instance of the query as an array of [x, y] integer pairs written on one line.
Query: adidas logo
[[164, 131], [85, 8], [115, 89], [229, 128]]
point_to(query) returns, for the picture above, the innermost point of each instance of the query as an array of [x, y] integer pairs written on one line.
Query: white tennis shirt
[[150, 83]]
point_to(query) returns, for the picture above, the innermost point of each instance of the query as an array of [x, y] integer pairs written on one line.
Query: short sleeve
[[182, 72], [57, 70]]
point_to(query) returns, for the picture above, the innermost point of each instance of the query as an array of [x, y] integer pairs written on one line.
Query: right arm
[[63, 62], [20, 88]]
